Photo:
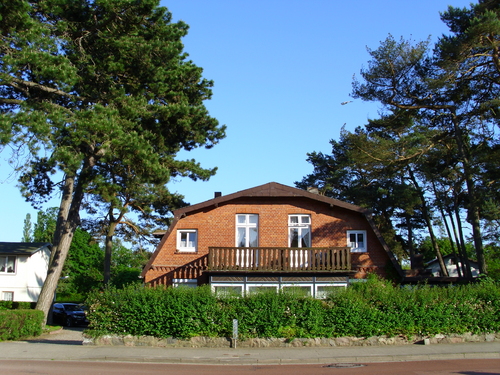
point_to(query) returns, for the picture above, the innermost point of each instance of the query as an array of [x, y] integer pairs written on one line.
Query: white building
[[451, 265], [23, 269]]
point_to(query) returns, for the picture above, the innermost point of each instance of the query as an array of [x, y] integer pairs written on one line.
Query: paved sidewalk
[[65, 347]]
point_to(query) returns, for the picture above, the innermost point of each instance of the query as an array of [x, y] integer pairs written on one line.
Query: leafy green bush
[[5, 305], [17, 324], [14, 305], [160, 312], [70, 297], [374, 307], [23, 305]]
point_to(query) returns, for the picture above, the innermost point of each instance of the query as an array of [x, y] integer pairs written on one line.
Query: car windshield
[[73, 308]]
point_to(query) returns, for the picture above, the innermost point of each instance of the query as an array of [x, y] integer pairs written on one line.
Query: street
[[445, 367]]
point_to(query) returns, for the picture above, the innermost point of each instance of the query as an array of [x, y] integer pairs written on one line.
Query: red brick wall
[[217, 227]]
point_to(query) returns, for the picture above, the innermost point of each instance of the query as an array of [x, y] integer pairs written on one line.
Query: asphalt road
[[65, 346], [463, 367]]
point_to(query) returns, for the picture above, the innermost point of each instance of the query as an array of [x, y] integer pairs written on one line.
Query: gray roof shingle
[[22, 248]]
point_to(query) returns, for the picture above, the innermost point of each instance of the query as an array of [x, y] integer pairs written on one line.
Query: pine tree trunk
[[452, 244], [60, 248], [448, 230], [425, 212], [473, 207], [411, 248], [109, 249], [67, 222], [463, 250]]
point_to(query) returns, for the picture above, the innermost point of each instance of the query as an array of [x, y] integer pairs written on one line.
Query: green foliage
[[100, 97], [27, 235], [70, 297], [126, 265], [377, 307], [434, 152], [492, 253], [5, 305], [23, 305], [17, 324], [425, 248], [83, 267], [370, 308], [178, 312], [45, 225], [16, 305]]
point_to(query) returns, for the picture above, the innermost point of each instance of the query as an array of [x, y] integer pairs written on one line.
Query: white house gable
[[23, 269]]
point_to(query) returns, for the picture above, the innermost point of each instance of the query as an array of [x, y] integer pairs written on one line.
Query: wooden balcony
[[279, 259]]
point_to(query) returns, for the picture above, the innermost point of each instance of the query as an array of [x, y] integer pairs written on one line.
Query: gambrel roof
[[271, 189]]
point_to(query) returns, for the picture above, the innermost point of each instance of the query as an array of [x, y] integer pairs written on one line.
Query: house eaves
[[22, 248], [271, 189]]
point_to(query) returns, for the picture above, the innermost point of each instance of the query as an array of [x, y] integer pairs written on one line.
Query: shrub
[[370, 308], [17, 324], [5, 305], [14, 305]]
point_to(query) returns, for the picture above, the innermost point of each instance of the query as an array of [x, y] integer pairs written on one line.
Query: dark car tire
[[69, 322]]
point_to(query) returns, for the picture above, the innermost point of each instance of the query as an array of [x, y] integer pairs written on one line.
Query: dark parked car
[[69, 314]]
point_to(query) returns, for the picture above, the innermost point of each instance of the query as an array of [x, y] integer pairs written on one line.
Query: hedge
[[14, 305], [18, 324], [371, 308]]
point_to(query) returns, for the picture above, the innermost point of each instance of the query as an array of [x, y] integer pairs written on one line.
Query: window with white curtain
[[299, 230], [247, 230], [7, 296], [7, 264]]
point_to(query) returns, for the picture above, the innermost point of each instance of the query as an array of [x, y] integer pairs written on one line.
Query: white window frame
[[218, 289], [186, 283], [9, 294], [259, 288], [357, 248], [248, 288], [6, 263], [320, 294], [289, 288], [185, 248], [247, 225], [299, 226]]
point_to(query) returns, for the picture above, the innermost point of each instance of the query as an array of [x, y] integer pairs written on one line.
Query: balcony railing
[[279, 259]]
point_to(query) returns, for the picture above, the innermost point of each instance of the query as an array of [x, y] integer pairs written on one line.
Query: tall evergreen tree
[[448, 154], [89, 84], [403, 76], [27, 230]]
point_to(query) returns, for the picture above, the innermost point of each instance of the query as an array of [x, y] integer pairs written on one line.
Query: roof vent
[[217, 194], [313, 189]]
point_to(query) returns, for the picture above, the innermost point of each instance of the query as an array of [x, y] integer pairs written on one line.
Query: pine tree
[[89, 85]]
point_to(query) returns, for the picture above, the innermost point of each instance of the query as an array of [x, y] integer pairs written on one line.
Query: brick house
[[270, 236]]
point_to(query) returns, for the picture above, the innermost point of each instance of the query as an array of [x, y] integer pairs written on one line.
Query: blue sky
[[280, 68]]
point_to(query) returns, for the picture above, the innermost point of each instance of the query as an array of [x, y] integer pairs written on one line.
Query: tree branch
[[44, 88], [10, 101]]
